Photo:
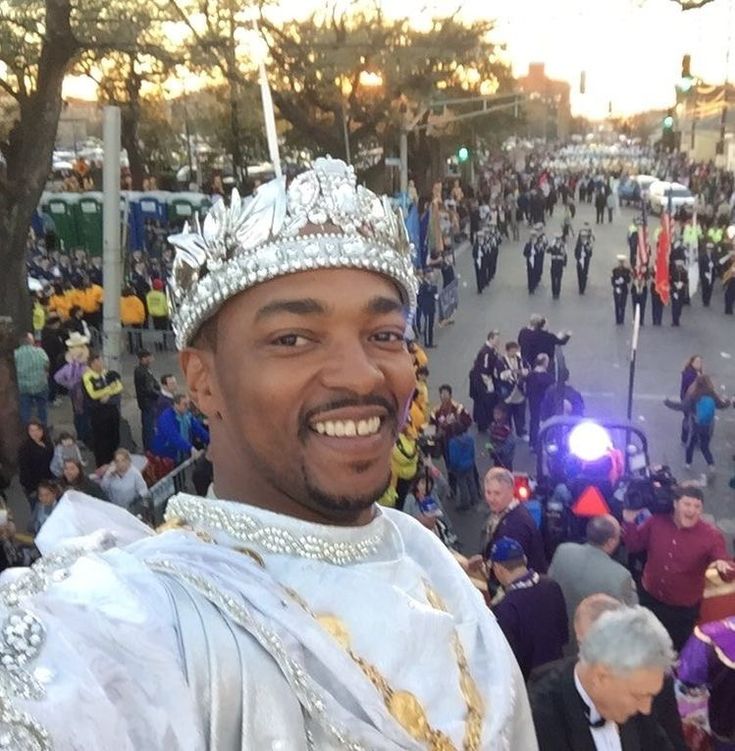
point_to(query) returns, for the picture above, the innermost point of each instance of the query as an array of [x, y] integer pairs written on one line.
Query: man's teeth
[[348, 428]]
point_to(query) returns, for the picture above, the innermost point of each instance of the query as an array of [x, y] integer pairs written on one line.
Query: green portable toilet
[[204, 207], [180, 210], [62, 207], [90, 224]]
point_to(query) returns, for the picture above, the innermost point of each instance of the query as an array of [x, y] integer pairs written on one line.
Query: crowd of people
[[544, 598], [91, 459], [596, 663]]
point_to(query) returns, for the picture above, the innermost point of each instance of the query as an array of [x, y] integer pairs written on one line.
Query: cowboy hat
[[77, 340]]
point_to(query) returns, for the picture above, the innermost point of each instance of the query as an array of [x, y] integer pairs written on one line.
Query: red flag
[[663, 248], [641, 258]]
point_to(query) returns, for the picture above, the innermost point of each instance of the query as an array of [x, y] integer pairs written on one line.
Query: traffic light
[[463, 154], [668, 137]]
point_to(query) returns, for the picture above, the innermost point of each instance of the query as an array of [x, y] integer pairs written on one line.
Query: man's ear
[[198, 367]]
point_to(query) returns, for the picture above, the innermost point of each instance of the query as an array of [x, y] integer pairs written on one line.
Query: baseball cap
[[506, 549]]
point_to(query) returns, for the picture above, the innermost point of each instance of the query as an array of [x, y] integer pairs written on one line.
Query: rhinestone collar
[[239, 523]]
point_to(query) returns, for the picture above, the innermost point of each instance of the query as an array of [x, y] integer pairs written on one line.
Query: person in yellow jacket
[[404, 464], [420, 359], [157, 304], [60, 302], [132, 310], [39, 317], [132, 315], [91, 298], [102, 389], [74, 296]]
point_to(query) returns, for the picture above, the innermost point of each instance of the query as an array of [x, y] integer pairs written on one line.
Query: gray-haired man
[[603, 700]]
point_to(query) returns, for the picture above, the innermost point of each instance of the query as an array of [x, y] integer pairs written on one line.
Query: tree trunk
[[28, 170], [129, 121], [129, 126]]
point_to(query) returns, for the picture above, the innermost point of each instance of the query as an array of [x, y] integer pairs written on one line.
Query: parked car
[[662, 194], [644, 183], [629, 191]]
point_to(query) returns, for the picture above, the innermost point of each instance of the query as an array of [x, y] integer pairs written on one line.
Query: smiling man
[[286, 610], [680, 547]]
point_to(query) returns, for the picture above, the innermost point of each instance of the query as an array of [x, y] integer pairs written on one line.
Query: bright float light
[[371, 79], [589, 441]]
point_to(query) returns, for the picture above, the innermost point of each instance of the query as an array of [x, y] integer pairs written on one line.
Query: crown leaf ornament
[[324, 220]]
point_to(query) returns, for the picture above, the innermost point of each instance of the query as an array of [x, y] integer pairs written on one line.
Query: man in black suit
[[602, 702]]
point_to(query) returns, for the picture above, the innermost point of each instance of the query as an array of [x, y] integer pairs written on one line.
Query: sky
[[630, 50]]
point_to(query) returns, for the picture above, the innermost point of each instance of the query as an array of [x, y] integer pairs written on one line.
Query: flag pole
[[633, 352]]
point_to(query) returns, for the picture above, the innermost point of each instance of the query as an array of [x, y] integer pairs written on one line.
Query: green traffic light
[[463, 154], [668, 122]]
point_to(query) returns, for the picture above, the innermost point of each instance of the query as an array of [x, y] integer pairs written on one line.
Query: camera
[[429, 446], [655, 492]]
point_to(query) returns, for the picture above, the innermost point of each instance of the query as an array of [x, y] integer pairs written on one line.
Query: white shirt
[[124, 489], [606, 737], [120, 652]]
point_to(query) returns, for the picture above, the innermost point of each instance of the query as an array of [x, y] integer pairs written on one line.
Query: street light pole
[[111, 255], [346, 133], [404, 160]]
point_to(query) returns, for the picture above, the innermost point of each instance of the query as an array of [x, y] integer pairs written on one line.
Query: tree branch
[[8, 89], [692, 4]]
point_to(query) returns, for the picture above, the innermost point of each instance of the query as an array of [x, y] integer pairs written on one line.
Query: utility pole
[[404, 160], [409, 125], [111, 255]]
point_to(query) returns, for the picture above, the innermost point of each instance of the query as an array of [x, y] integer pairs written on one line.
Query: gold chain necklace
[[403, 706]]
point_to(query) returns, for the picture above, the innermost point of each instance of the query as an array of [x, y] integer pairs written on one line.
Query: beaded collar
[[241, 524]]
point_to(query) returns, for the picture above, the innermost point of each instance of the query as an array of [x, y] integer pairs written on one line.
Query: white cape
[[174, 642]]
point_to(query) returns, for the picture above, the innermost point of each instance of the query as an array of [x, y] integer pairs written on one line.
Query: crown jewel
[[260, 238]]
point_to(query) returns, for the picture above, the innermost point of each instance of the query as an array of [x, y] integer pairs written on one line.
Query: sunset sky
[[630, 49]]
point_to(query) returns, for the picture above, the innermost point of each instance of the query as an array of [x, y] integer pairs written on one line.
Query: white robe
[[172, 642]]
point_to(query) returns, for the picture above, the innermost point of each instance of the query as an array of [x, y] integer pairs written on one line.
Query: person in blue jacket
[[178, 432]]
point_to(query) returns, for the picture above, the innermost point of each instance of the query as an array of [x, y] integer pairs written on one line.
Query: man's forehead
[[323, 292]]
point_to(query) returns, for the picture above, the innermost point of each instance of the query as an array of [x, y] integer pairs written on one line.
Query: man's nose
[[350, 367]]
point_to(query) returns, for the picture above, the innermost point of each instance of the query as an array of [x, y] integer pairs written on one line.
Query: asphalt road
[[598, 355]]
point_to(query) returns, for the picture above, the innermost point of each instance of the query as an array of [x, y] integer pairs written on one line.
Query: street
[[598, 355]]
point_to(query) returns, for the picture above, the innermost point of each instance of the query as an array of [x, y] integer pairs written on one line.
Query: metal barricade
[[179, 480], [154, 340]]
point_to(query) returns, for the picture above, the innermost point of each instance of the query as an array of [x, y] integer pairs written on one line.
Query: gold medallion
[[407, 709]]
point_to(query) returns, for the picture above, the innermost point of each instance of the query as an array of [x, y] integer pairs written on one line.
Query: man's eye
[[289, 340], [389, 336]]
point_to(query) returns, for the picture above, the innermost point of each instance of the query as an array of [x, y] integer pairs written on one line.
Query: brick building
[[547, 107]]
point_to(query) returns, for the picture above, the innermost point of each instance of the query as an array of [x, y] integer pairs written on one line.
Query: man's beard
[[346, 505]]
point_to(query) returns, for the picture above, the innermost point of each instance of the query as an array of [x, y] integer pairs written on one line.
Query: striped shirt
[[31, 367]]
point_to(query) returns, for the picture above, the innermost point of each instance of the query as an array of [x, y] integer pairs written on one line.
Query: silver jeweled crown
[[258, 238]]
